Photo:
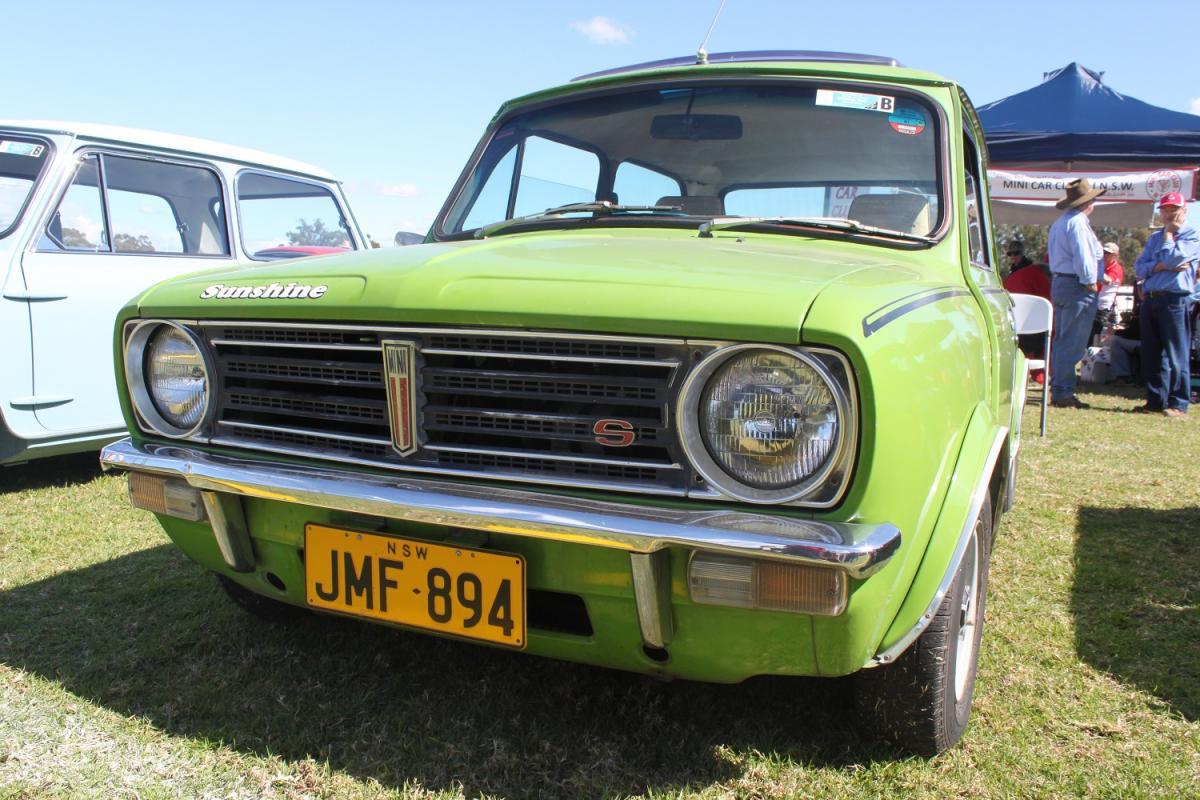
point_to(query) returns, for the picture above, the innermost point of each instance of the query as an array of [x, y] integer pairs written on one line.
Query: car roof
[[751, 64], [118, 134]]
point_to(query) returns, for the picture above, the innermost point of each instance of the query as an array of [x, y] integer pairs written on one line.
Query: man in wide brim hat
[[1076, 264], [1079, 192]]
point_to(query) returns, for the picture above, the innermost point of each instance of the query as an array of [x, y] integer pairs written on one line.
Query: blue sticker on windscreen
[[21, 148], [909, 121]]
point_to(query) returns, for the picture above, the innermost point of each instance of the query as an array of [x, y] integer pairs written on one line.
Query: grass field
[[124, 671]]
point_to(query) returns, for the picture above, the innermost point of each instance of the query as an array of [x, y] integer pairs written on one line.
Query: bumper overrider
[[199, 486]]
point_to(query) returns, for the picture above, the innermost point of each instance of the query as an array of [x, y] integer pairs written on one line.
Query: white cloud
[[398, 190], [1196, 105], [602, 30]]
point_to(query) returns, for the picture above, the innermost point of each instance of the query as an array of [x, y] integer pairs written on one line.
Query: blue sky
[[393, 96]]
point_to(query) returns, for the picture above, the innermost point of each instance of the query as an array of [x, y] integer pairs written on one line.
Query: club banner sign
[[1125, 187]]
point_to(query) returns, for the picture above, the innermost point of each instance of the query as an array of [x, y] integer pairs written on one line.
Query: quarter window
[[21, 163], [281, 212]]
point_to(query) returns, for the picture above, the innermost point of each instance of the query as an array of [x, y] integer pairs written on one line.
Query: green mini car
[[703, 371]]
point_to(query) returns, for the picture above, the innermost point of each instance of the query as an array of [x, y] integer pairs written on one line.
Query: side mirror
[[408, 237]]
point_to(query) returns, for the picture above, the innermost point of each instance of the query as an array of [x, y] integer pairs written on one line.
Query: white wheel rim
[[968, 619]]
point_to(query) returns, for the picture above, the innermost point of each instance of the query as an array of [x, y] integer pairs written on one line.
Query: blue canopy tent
[[1073, 125]]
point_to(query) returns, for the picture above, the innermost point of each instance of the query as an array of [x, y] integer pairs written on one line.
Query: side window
[[491, 204], [977, 222], [555, 174], [166, 208], [636, 185], [78, 222], [282, 212], [139, 205]]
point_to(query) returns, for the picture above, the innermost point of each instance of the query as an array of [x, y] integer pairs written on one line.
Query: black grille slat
[[518, 407], [324, 372], [574, 387]]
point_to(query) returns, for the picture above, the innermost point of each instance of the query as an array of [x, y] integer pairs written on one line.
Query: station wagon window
[[765, 148], [138, 205], [283, 212], [21, 163]]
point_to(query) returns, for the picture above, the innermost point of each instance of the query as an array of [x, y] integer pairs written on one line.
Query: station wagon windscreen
[[21, 162], [712, 151]]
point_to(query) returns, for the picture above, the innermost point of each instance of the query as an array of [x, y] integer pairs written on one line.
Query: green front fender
[[970, 484]]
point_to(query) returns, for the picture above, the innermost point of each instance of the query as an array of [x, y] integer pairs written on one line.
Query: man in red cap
[[1167, 265]]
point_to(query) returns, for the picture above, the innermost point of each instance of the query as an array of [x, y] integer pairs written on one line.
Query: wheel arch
[[980, 473]]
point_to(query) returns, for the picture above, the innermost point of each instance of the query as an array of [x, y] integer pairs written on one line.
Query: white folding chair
[[1033, 314]]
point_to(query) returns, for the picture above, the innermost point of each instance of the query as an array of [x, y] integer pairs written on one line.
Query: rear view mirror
[[696, 127]]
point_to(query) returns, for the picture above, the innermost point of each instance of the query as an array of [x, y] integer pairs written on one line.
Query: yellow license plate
[[455, 590]]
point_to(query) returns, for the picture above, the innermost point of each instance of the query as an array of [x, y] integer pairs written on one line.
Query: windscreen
[[870, 155], [22, 161]]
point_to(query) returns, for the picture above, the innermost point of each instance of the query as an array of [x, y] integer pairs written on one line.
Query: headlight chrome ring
[[177, 411], [698, 436]]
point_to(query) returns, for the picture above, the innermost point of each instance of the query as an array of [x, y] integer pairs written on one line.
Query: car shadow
[[54, 471], [151, 635], [1136, 600]]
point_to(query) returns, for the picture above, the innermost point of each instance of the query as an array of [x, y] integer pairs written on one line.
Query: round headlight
[[768, 421], [168, 377]]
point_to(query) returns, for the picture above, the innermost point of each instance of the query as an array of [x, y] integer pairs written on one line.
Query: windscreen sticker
[[857, 100], [909, 121], [21, 148]]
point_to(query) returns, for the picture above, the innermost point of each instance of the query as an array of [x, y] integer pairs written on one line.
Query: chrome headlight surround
[[138, 338], [690, 418]]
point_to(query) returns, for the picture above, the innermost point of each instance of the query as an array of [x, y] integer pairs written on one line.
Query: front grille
[[494, 404]]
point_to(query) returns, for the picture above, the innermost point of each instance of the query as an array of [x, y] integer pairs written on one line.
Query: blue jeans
[[1074, 312], [1165, 350]]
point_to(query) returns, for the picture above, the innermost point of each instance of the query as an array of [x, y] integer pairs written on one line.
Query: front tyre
[[922, 701]]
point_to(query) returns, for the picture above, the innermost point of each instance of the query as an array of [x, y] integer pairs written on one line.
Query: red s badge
[[614, 432]]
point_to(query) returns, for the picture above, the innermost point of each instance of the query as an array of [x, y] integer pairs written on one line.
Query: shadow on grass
[[149, 634], [54, 471], [1136, 600]]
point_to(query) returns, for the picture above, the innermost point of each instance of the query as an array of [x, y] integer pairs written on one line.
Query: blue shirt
[[1074, 249], [1183, 249]]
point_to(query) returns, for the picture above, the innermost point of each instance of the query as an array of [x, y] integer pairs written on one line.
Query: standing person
[[1168, 266], [1113, 277], [1075, 265]]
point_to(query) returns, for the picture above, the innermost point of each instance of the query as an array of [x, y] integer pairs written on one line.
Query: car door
[[125, 222]]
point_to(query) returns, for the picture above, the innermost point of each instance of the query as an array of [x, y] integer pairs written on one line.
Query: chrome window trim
[[688, 412], [890, 654], [337, 197], [137, 335]]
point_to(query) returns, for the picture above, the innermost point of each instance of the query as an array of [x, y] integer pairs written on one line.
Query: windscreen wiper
[[599, 208], [826, 223]]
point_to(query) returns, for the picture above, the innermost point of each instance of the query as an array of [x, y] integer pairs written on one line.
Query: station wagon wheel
[[265, 608], [922, 701]]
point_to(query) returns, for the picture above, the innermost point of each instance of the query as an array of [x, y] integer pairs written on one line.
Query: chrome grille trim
[[549, 457], [380, 440], [496, 404]]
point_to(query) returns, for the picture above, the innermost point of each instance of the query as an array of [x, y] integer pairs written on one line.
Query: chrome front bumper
[[859, 549]]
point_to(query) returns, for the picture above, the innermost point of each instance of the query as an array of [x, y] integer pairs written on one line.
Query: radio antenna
[[702, 53]]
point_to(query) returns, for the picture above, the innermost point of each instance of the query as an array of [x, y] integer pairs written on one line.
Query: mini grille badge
[[399, 366]]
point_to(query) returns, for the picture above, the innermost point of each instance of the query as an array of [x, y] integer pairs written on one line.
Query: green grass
[[124, 671]]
